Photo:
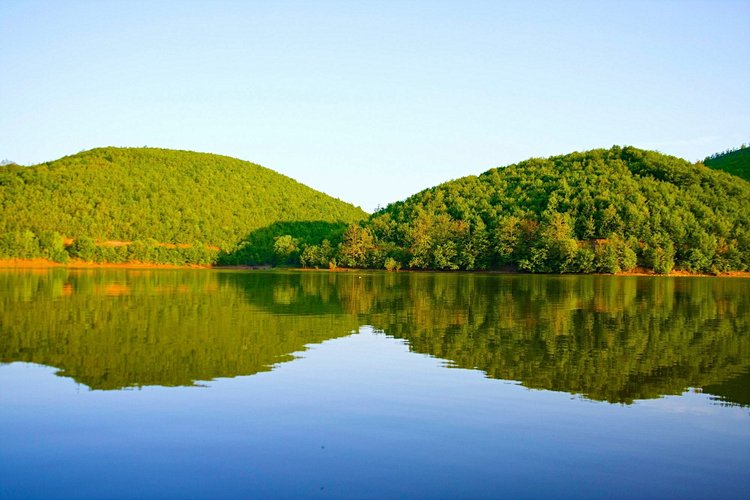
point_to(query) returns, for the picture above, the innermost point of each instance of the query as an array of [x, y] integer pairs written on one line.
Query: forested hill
[[156, 195], [596, 211], [736, 162]]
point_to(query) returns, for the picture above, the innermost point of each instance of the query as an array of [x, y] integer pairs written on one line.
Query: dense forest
[[614, 340], [151, 205], [599, 211], [734, 161]]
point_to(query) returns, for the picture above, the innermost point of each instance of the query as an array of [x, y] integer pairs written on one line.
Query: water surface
[[157, 383]]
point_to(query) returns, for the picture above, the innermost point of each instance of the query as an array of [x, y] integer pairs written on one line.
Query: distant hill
[[596, 211], [736, 162], [172, 201]]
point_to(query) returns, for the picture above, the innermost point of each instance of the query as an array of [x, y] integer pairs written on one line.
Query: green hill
[[597, 211], [176, 206], [736, 162]]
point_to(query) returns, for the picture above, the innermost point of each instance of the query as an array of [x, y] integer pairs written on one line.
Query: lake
[[226, 384]]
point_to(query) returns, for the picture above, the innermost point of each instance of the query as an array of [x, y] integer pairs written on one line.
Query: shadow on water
[[612, 339]]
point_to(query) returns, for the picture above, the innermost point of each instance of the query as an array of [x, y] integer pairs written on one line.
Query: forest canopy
[[152, 205], [604, 211], [598, 211], [734, 161]]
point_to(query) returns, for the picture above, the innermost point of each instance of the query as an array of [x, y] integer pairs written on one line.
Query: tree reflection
[[614, 339]]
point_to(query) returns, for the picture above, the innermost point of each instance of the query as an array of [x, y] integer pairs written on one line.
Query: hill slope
[[597, 211], [735, 162], [173, 197]]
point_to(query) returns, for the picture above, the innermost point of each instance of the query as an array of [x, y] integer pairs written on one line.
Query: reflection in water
[[609, 338], [171, 328]]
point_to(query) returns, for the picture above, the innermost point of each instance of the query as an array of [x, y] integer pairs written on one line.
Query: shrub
[[392, 264]]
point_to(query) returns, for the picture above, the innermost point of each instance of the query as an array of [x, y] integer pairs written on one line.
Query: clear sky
[[373, 101]]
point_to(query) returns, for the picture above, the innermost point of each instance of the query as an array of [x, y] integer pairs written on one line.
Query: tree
[[392, 264], [317, 256], [285, 249], [52, 246], [357, 246]]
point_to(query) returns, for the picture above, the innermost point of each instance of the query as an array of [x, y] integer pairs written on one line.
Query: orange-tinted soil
[[79, 264], [639, 271], [116, 243]]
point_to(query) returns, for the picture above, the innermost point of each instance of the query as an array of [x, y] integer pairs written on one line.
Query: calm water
[[199, 384]]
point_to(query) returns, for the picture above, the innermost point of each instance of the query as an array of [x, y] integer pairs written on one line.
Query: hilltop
[[736, 162], [120, 204], [596, 211], [605, 210]]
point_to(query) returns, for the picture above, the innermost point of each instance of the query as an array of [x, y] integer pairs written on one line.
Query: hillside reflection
[[610, 339]]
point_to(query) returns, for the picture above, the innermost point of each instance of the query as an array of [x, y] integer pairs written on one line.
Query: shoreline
[[78, 264]]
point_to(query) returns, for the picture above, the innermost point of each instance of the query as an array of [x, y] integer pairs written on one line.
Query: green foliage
[[258, 247], [734, 161], [52, 247], [22, 244], [615, 340], [140, 251], [613, 255], [171, 197], [662, 258], [84, 248], [317, 256], [392, 264], [165, 328], [285, 249], [585, 259], [606, 259], [357, 249], [599, 211]]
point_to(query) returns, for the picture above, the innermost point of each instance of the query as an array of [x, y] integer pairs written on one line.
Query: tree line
[[735, 161], [601, 211], [149, 196]]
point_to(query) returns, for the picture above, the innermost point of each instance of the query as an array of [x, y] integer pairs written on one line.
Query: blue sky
[[373, 101]]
